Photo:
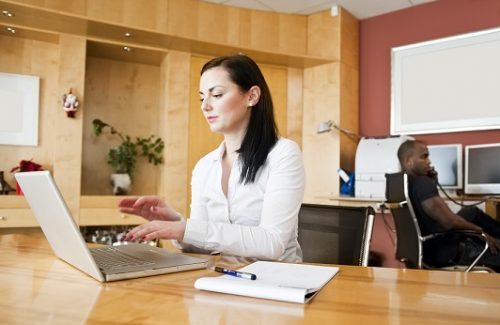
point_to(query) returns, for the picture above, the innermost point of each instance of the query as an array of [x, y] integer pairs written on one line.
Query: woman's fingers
[[157, 229]]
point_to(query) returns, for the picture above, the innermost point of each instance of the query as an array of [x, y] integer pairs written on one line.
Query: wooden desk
[[36, 287], [493, 207]]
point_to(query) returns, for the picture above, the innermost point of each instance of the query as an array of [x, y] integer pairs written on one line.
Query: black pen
[[243, 275]]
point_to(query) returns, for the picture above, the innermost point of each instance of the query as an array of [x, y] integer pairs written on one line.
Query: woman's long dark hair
[[262, 133]]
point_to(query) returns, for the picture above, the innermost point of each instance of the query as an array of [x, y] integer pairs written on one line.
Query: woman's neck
[[233, 143]]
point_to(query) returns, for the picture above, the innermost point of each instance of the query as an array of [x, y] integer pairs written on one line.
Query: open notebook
[[278, 281], [108, 263]]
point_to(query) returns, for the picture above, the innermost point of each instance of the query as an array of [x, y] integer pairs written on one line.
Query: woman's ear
[[254, 95]]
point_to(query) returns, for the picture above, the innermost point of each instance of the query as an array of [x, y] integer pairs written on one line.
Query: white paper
[[278, 281]]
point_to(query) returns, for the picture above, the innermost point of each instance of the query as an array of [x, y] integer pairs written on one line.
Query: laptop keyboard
[[110, 257]]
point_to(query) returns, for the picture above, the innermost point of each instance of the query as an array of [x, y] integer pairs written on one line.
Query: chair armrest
[[470, 233]]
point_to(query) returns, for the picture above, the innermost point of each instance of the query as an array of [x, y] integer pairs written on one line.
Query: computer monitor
[[482, 169], [447, 161]]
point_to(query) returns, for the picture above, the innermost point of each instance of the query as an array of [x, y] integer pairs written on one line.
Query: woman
[[246, 194]]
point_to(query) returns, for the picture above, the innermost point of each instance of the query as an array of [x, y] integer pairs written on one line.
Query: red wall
[[420, 23]]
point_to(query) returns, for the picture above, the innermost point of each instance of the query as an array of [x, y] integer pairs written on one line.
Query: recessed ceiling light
[[12, 30], [127, 34], [127, 49], [7, 13]]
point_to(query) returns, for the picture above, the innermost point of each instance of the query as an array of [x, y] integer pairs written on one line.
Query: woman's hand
[[158, 229], [148, 207]]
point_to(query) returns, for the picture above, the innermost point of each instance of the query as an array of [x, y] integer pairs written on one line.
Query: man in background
[[434, 215]]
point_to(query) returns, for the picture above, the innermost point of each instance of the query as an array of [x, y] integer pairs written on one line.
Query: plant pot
[[122, 184]]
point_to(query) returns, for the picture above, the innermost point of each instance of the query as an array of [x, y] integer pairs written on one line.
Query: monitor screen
[[482, 169], [447, 161]]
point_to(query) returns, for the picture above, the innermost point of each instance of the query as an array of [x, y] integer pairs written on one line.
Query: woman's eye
[[217, 95]]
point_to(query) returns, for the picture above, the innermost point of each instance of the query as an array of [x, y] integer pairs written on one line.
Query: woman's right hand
[[148, 207]]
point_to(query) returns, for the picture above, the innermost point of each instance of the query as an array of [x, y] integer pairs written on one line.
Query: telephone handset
[[432, 173]]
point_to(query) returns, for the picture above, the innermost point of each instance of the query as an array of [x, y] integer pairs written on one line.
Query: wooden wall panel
[[236, 22], [68, 134], [264, 30], [72, 6], [195, 21], [292, 34], [144, 14], [349, 115], [182, 18], [349, 88], [295, 100], [277, 81], [125, 95], [321, 151], [29, 57], [213, 23], [323, 35], [174, 119]]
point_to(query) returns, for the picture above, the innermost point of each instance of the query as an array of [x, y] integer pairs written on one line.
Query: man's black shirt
[[437, 252]]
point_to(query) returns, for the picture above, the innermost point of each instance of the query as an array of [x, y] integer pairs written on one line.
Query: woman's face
[[224, 104]]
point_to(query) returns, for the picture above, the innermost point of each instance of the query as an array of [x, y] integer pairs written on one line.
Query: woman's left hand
[[158, 229]]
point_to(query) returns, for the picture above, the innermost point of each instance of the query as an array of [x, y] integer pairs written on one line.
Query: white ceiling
[[361, 9]]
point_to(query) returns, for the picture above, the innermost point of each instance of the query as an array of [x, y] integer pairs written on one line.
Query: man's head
[[413, 156]]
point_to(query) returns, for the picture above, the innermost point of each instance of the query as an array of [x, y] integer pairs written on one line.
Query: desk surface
[[36, 287]]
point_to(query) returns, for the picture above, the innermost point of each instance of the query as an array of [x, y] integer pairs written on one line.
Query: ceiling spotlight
[[12, 30], [127, 34], [127, 49], [7, 13]]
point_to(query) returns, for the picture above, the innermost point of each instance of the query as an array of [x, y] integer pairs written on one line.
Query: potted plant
[[123, 158]]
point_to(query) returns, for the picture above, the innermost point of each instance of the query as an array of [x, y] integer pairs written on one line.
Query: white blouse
[[257, 220]]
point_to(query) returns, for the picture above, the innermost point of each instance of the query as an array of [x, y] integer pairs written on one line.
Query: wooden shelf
[[94, 211]]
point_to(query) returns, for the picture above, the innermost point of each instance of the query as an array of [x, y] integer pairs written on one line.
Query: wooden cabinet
[[310, 63], [15, 212]]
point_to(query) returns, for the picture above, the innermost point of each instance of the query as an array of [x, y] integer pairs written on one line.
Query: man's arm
[[437, 209]]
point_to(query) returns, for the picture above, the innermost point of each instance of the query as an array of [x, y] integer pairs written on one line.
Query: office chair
[[409, 244], [335, 235]]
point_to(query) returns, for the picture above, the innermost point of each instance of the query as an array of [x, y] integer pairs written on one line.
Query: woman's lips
[[210, 119]]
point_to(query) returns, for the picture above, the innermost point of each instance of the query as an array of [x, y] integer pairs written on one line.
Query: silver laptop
[[108, 263]]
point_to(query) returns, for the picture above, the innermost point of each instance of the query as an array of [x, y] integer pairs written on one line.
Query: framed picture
[[19, 109]]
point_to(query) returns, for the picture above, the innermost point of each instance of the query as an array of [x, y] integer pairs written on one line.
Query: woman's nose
[[205, 105]]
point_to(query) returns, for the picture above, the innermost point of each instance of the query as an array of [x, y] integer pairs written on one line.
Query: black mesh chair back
[[334, 234], [408, 243]]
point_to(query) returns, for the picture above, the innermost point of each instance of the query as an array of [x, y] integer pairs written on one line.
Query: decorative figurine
[[5, 188], [70, 104]]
